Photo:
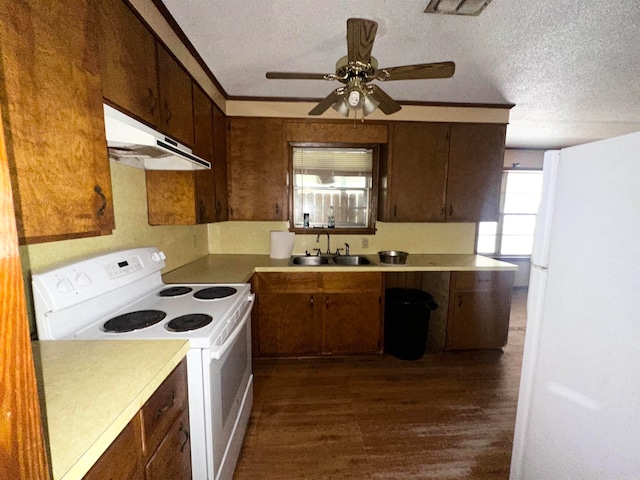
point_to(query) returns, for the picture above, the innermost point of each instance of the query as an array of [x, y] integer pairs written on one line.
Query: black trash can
[[406, 321]]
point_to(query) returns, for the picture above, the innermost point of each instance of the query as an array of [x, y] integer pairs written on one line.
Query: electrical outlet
[[365, 242]]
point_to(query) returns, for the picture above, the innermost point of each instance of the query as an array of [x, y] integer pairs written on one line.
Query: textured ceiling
[[572, 68]]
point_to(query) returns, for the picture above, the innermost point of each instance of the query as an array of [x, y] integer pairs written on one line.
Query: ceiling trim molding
[[456, 113], [239, 98]]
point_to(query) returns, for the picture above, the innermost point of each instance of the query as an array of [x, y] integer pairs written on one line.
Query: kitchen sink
[[309, 261], [351, 260], [341, 260]]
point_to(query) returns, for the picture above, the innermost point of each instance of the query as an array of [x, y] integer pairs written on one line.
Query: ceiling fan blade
[[296, 76], [360, 36], [327, 102], [387, 104], [417, 72]]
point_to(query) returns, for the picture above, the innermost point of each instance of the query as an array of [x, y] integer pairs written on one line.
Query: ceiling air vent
[[457, 7]]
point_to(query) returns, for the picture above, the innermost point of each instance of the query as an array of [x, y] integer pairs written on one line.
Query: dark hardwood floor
[[445, 416]]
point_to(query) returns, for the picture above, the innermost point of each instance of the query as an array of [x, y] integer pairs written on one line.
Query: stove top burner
[[128, 322], [189, 322], [213, 293], [174, 291]]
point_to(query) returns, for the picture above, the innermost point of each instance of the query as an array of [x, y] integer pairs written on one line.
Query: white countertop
[[92, 389], [237, 268]]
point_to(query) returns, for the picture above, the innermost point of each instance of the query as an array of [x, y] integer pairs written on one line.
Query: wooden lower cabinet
[[479, 309], [289, 324], [318, 313], [122, 460], [351, 323], [155, 444], [172, 459]]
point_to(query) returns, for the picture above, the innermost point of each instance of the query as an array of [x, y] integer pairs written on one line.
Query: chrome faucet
[[328, 241], [347, 250]]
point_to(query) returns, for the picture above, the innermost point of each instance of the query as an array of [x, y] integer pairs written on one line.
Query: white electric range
[[121, 295]]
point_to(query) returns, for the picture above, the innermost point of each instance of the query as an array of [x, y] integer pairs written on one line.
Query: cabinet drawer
[[173, 457], [163, 408], [481, 281], [277, 282], [351, 282], [121, 460]]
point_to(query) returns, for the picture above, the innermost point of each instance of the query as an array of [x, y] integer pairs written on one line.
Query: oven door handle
[[217, 354]]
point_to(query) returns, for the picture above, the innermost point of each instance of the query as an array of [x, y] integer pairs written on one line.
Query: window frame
[[373, 197], [501, 214]]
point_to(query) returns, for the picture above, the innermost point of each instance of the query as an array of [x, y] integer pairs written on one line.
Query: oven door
[[230, 395]]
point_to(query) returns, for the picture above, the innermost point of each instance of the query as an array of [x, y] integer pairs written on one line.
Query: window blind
[[344, 161]]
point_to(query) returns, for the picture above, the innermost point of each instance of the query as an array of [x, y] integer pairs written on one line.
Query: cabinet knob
[[277, 209], [327, 302], [311, 300]]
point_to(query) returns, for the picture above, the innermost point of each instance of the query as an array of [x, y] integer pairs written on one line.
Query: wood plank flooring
[[445, 416]]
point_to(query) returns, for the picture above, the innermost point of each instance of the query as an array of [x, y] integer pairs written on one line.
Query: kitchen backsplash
[[253, 237]]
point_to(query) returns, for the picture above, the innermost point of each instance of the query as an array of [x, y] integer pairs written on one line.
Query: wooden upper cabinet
[[51, 99], [128, 62], [203, 147], [476, 157], [171, 197], [413, 174], [176, 98], [220, 129], [258, 169], [186, 197]]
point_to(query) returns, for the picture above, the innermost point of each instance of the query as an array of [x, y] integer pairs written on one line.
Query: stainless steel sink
[[337, 260], [309, 261], [351, 260]]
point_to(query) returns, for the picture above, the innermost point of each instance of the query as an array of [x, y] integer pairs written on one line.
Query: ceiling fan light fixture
[[341, 107], [369, 105], [457, 7]]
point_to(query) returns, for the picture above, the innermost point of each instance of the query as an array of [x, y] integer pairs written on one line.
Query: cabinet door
[[203, 146], [351, 320], [220, 129], [257, 169], [479, 309], [176, 98], [51, 99], [350, 323], [128, 62], [476, 157], [289, 324], [172, 459], [171, 197], [416, 175]]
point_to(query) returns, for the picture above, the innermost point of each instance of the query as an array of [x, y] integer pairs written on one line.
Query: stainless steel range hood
[[133, 143]]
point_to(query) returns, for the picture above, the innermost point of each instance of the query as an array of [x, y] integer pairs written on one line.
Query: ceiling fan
[[358, 68]]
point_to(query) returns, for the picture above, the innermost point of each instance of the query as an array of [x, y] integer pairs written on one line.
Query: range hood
[[133, 143]]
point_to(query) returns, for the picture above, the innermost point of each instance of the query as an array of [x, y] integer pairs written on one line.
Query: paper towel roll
[[281, 244]]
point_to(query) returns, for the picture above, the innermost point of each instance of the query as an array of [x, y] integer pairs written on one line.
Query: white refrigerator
[[579, 403]]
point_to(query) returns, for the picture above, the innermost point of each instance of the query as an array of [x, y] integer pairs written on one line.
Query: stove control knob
[[65, 286], [83, 280], [158, 256]]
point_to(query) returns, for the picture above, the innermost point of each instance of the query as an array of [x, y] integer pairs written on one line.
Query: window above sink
[[333, 178]]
